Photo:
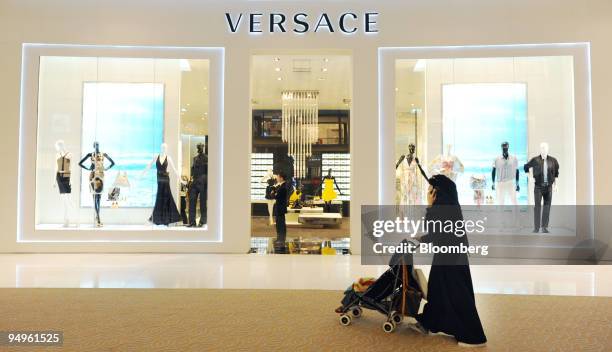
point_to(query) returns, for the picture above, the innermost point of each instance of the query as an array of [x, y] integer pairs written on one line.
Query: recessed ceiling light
[[205, 114], [279, 79], [205, 88], [277, 59], [187, 104], [326, 60], [321, 78], [396, 89], [183, 109], [324, 69], [278, 69]]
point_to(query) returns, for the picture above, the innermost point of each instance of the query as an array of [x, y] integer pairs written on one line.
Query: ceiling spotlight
[[321, 78], [277, 59], [205, 114], [187, 104], [325, 60], [278, 69], [279, 79], [183, 109], [205, 88], [396, 89], [324, 69]]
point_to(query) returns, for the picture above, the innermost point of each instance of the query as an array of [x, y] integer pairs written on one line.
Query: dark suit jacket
[[537, 163], [281, 196]]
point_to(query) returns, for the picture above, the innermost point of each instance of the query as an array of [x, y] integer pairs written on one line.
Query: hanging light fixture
[[300, 126]]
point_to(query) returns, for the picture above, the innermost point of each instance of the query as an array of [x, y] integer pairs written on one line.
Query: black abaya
[[451, 307]]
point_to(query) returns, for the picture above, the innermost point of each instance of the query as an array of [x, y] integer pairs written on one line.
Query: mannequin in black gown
[[165, 211], [451, 306]]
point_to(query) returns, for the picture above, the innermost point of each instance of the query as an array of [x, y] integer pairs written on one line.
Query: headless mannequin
[[328, 194], [199, 187], [504, 187], [96, 177], [544, 169], [269, 180], [447, 164], [60, 147], [406, 171], [163, 156]]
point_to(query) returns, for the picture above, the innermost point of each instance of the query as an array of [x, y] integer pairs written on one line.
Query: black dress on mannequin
[[165, 211]]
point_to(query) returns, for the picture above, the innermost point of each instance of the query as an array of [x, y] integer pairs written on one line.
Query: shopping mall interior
[[239, 175]]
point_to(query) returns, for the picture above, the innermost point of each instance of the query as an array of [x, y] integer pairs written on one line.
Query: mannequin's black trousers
[[542, 192], [198, 189]]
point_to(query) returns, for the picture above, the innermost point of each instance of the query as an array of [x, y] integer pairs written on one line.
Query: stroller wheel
[[396, 317], [389, 326], [356, 311], [345, 320]]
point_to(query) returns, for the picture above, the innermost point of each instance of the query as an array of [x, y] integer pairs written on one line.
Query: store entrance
[[300, 116]]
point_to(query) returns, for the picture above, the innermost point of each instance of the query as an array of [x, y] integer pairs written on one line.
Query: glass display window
[[491, 118], [123, 142]]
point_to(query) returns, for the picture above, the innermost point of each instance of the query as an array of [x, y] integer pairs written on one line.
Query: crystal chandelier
[[300, 126]]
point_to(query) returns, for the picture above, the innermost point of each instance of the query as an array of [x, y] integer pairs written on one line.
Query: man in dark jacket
[[280, 209]]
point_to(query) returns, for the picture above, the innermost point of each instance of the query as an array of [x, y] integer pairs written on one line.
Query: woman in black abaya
[[451, 307]]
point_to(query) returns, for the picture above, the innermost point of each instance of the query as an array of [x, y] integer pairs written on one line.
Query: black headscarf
[[445, 207], [446, 190]]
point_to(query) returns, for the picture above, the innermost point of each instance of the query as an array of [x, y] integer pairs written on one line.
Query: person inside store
[[451, 306], [281, 198]]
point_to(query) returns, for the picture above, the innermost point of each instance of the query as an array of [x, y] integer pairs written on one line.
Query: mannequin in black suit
[[545, 172]]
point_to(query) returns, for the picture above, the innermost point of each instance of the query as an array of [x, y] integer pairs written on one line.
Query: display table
[[292, 216], [322, 219], [311, 217]]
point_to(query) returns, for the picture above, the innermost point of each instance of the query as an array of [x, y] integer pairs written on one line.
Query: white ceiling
[[329, 74], [409, 86], [194, 98]]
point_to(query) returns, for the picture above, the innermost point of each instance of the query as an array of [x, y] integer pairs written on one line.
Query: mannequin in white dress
[[406, 173]]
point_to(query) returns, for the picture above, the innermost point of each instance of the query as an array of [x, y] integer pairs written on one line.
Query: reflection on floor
[[261, 228], [272, 272]]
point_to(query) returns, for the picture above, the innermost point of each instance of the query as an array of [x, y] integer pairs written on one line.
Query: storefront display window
[[122, 143], [456, 115]]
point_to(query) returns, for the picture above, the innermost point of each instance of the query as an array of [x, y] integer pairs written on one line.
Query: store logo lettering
[[348, 23]]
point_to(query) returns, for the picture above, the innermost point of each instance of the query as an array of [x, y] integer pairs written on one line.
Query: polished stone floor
[[272, 272]]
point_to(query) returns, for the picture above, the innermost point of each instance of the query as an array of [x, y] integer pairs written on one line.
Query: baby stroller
[[395, 294]]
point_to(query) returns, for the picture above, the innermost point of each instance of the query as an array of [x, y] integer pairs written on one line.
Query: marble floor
[[242, 271]]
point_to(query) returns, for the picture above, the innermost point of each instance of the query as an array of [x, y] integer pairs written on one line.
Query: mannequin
[[63, 160], [184, 194], [164, 211], [505, 169], [96, 177], [270, 181], [544, 169], [328, 194], [447, 164], [406, 172], [199, 187]]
